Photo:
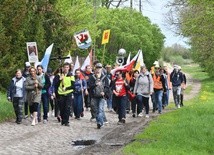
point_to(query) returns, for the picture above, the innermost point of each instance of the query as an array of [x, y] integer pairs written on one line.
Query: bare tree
[[173, 18]]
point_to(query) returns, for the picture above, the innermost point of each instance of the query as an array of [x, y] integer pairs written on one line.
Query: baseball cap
[[27, 64], [99, 65]]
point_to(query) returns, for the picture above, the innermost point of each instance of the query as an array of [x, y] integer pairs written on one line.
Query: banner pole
[[104, 48]]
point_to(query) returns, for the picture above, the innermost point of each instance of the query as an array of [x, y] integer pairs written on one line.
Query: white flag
[[68, 60], [76, 65], [87, 61], [128, 59]]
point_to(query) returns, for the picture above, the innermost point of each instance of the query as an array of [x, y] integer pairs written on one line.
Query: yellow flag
[[106, 35]]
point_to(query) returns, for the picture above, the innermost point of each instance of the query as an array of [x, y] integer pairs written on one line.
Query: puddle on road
[[84, 142]]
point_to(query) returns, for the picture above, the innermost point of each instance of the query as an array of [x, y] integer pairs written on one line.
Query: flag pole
[[104, 48]]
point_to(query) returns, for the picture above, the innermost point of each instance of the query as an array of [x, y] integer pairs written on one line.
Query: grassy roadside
[[188, 130], [6, 108]]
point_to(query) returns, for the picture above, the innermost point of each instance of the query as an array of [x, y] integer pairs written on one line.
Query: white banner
[[32, 52]]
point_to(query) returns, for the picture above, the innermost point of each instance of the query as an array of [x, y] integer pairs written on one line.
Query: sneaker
[[53, 113], [92, 119], [45, 121], [133, 115], [123, 120], [98, 126], [67, 124], [33, 122], [147, 116], [119, 123], [140, 114], [26, 116], [86, 109], [106, 122], [82, 114], [59, 119], [179, 106]]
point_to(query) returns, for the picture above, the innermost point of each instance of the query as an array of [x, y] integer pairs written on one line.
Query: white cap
[[27, 64]]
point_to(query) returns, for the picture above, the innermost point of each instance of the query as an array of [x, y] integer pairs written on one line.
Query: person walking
[[183, 86], [80, 88], [16, 94], [65, 85], [25, 74], [45, 95], [176, 78], [159, 88], [120, 88], [99, 88], [144, 89], [134, 103], [33, 86]]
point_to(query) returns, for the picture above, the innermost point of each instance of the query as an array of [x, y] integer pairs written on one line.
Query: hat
[[156, 63], [157, 66], [108, 66], [27, 64], [143, 66], [175, 66], [98, 65], [179, 67]]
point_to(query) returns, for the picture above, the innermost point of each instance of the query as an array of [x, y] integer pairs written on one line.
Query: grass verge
[[6, 108], [188, 130]]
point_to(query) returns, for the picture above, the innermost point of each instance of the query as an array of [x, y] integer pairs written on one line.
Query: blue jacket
[[176, 78]]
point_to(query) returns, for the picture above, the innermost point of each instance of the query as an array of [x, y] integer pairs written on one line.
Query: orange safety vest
[[157, 82]]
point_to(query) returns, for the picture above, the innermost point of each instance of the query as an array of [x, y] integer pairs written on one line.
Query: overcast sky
[[156, 12]]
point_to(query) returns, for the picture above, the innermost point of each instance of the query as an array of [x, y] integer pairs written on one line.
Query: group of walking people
[[68, 91]]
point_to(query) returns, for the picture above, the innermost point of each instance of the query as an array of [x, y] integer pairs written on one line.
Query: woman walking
[[33, 86], [143, 89], [16, 93]]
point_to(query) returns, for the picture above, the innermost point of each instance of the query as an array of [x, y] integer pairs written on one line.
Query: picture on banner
[[32, 52], [83, 39]]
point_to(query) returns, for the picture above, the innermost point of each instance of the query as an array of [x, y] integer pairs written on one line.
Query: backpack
[[98, 88]]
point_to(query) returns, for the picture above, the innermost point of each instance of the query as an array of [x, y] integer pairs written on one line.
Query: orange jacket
[[157, 82]]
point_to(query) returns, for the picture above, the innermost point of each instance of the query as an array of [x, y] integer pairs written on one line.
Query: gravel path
[[52, 138]]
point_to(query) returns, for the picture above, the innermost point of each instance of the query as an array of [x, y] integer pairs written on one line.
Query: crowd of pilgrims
[[70, 92]]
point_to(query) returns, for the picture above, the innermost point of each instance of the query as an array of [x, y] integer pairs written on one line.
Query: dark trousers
[[26, 108], [34, 107], [57, 106], [45, 105], [51, 101], [78, 105], [18, 106], [65, 107], [121, 104]]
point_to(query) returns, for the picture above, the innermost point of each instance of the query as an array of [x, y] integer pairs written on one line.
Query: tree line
[[56, 21], [195, 20]]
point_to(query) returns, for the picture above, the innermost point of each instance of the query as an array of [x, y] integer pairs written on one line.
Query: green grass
[[6, 108], [189, 130]]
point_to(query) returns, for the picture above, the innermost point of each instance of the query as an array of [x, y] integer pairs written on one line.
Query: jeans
[[158, 99], [121, 102], [78, 105], [166, 98], [176, 90], [45, 105], [109, 102], [99, 104]]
